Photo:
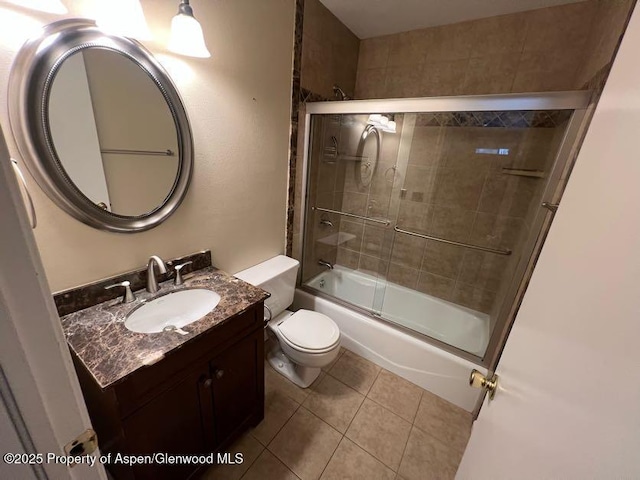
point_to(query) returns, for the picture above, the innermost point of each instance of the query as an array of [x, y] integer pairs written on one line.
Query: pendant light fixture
[[121, 17], [382, 122], [186, 33]]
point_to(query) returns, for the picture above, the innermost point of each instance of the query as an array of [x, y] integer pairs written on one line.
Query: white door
[[41, 406], [568, 403]]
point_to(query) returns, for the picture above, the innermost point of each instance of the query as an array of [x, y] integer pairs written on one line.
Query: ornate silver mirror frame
[[30, 81]]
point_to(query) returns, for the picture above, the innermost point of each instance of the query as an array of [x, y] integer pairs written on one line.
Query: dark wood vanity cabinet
[[196, 400], [234, 386]]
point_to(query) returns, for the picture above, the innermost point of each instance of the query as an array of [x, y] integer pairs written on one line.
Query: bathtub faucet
[[325, 264]]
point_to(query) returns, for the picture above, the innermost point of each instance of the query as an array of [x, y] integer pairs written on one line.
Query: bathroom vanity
[[169, 392]]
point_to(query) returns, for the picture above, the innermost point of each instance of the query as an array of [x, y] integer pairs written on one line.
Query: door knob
[[219, 374], [207, 383], [478, 380]]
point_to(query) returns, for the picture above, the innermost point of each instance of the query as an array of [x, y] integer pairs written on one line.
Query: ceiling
[[372, 18]]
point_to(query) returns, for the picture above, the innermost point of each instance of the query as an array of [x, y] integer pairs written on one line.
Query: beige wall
[[610, 19], [329, 52], [238, 102], [550, 49]]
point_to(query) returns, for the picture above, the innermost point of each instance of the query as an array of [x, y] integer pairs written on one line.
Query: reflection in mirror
[[113, 132]]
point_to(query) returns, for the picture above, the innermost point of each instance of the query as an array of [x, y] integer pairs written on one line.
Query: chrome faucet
[[324, 263], [326, 222], [152, 283]]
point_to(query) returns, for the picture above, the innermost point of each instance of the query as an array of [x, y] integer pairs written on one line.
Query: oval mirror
[[101, 127]]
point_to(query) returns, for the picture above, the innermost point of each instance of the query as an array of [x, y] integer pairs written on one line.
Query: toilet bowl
[[306, 340]]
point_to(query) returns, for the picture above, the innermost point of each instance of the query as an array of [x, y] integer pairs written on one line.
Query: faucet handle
[[326, 222], [178, 280], [128, 294]]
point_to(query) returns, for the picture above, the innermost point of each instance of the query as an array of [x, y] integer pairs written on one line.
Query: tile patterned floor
[[357, 421]]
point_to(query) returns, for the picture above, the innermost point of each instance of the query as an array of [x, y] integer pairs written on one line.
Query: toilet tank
[[278, 277]]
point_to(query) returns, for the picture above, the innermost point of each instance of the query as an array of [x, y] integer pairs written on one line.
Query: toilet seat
[[309, 332]]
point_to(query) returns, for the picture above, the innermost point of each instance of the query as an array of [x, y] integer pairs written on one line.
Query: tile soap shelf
[[523, 172]]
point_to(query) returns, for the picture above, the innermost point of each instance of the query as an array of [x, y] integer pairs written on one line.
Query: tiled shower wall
[[325, 191], [328, 55], [550, 49], [329, 52], [448, 190], [344, 184]]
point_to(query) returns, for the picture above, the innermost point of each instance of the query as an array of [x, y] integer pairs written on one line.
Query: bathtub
[[452, 324], [426, 365]]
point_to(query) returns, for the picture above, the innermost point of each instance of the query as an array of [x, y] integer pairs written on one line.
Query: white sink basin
[[172, 311]]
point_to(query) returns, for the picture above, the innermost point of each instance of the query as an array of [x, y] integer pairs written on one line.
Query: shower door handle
[[552, 207]]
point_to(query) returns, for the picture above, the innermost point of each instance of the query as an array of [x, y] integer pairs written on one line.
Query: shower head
[[339, 93]]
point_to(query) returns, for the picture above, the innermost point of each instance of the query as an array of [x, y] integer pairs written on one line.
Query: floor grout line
[[282, 427], [354, 417], [388, 410], [274, 437], [404, 450], [255, 459], [415, 415], [343, 436], [374, 380], [330, 426], [438, 439]]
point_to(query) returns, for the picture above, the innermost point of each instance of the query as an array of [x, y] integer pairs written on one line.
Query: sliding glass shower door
[[348, 201], [425, 219], [472, 185]]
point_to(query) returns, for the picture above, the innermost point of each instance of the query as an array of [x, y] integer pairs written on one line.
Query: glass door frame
[[578, 101]]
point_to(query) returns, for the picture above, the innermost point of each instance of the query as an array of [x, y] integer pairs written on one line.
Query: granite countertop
[[111, 352]]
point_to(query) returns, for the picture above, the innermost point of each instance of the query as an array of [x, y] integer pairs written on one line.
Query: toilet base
[[298, 374]]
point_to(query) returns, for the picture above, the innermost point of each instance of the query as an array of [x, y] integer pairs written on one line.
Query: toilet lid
[[310, 330]]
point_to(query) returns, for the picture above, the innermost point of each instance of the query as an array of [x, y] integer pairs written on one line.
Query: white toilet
[[307, 340]]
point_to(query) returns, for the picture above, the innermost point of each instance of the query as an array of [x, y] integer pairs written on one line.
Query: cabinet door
[[173, 422], [238, 385]]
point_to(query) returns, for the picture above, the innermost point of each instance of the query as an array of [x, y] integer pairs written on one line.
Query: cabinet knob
[[207, 383], [219, 374]]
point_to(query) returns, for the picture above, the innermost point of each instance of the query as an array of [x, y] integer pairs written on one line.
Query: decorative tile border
[[85, 296], [299, 96], [309, 96], [509, 119], [293, 131]]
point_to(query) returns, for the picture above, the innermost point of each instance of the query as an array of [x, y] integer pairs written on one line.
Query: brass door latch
[[478, 380]]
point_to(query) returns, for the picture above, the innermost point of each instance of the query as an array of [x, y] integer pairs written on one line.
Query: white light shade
[[390, 127], [187, 38], [122, 17], [374, 119]]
